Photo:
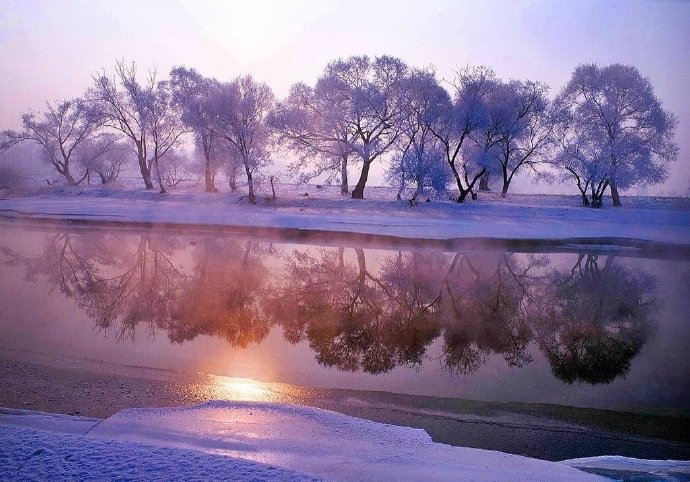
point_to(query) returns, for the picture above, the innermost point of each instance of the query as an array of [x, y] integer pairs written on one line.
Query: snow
[[518, 217], [246, 441], [27, 454]]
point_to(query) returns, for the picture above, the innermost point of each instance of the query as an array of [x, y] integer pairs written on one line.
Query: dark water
[[589, 328]]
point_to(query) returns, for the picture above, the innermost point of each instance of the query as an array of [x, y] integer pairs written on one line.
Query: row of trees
[[605, 130], [358, 314]]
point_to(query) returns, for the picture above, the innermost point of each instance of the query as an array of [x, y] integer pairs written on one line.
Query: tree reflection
[[352, 319], [223, 296], [359, 310], [486, 309], [122, 282], [598, 320], [119, 281]]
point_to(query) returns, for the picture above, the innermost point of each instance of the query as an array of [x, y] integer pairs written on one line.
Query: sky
[[49, 50]]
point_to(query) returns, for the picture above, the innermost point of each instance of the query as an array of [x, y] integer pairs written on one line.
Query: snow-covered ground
[[246, 441], [313, 208]]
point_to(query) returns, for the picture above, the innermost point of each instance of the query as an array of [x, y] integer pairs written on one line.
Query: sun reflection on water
[[244, 389]]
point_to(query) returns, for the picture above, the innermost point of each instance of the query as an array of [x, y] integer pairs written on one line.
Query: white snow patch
[[47, 421], [248, 441], [321, 443], [518, 217]]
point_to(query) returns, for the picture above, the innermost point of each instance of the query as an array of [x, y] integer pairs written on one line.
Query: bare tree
[[420, 159], [122, 102], [165, 127], [142, 111], [60, 131]]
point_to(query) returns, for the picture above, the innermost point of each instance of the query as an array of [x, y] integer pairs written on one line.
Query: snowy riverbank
[[267, 441], [245, 441], [309, 209]]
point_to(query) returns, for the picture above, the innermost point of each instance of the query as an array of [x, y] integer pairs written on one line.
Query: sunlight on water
[[243, 389]]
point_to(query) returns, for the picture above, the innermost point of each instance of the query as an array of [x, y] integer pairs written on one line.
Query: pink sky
[[50, 49]]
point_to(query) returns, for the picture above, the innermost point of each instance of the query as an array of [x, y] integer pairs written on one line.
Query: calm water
[[593, 329]]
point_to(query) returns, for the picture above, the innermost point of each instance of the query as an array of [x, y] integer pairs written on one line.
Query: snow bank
[[30, 454], [525, 217], [47, 421], [248, 441]]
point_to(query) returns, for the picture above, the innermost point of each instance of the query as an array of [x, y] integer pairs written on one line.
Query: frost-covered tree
[[165, 128], [104, 155], [313, 124], [370, 97], [425, 170], [613, 130], [61, 130], [191, 93], [522, 124], [142, 111], [238, 112], [121, 102], [420, 159], [456, 122]]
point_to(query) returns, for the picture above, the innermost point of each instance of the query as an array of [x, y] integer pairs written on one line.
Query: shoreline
[[308, 213], [634, 247], [550, 432]]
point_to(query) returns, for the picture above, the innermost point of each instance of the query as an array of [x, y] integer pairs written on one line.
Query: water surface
[[583, 327]]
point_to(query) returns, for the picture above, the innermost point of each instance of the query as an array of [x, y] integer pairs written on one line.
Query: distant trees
[[61, 131], [612, 131], [605, 130], [104, 155]]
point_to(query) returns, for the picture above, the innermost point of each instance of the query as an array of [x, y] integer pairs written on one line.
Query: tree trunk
[[484, 183], [463, 195], [344, 188], [145, 173], [358, 191], [232, 181], [250, 183], [615, 197], [208, 178], [585, 201], [158, 176], [68, 177], [506, 182], [596, 197]]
